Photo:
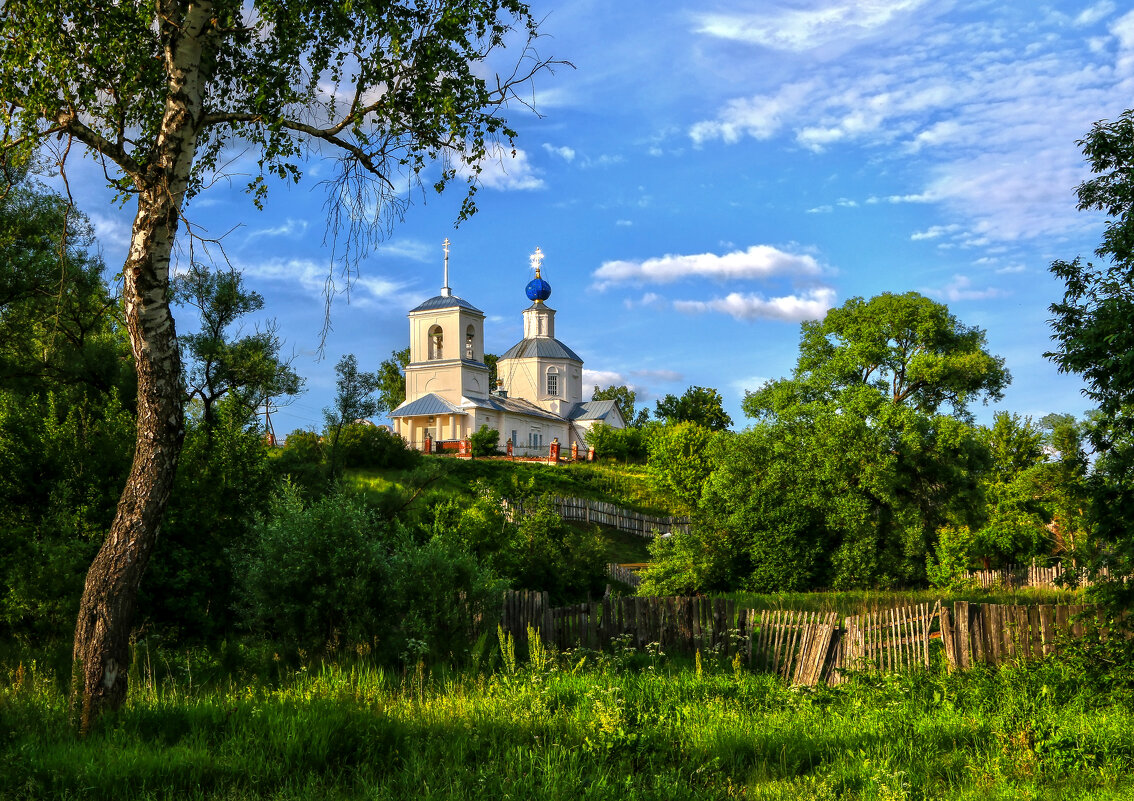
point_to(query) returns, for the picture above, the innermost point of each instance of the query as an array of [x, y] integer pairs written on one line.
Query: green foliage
[[907, 347], [537, 552], [622, 444], [224, 482], [247, 369], [301, 461], [850, 470], [701, 405], [485, 441], [61, 471], [680, 461], [392, 379], [952, 558], [1091, 327], [333, 573], [354, 402], [368, 445], [310, 574]]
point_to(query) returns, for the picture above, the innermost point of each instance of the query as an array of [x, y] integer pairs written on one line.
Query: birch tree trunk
[[106, 611]]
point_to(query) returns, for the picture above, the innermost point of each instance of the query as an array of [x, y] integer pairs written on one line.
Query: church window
[[470, 333], [436, 342], [552, 381]]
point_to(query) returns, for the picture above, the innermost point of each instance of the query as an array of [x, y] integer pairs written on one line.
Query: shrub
[[623, 444], [484, 442], [366, 445], [311, 573]]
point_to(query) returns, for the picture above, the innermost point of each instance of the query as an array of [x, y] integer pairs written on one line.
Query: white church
[[539, 393]]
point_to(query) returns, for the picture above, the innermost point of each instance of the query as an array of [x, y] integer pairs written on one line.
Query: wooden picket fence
[[803, 647], [627, 574], [1032, 575], [993, 634], [605, 514]]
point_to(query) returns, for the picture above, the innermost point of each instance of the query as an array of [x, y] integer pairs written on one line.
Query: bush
[[485, 442], [301, 462], [623, 444], [334, 573], [366, 445], [311, 574]]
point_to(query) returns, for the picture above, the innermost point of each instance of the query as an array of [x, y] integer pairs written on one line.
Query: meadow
[[244, 722]]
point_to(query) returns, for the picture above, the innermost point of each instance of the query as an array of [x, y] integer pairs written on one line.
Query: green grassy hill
[[442, 478]]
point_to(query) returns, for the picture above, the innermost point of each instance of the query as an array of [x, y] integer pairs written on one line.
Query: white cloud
[[749, 384], [412, 249], [934, 232], [312, 277], [505, 169], [810, 305], [760, 116], [565, 153], [623, 223], [1092, 14], [800, 29], [111, 231], [1011, 269], [758, 261], [601, 379], [961, 288], [648, 299], [824, 209], [289, 228]]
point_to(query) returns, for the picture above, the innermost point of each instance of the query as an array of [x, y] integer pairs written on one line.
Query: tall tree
[[157, 91], [247, 368], [354, 401], [701, 405], [1093, 335]]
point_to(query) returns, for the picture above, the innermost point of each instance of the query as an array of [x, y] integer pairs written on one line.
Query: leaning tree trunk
[[106, 611]]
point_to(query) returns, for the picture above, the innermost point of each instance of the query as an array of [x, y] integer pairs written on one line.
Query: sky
[[709, 175]]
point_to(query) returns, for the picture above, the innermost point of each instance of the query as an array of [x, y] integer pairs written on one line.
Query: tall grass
[[243, 725]]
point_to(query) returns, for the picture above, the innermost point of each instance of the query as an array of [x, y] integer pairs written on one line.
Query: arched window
[[552, 381], [436, 341], [470, 333]]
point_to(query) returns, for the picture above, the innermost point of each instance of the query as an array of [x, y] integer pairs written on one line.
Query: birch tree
[[160, 93]]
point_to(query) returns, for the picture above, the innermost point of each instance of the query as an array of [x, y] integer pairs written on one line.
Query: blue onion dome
[[538, 289]]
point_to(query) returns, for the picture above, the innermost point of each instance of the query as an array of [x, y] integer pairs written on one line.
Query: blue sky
[[711, 174]]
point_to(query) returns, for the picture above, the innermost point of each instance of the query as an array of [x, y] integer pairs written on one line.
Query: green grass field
[[242, 725]]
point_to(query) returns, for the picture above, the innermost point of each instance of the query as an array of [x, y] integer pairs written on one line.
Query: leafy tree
[[59, 323], [626, 399], [1091, 328], [680, 462], [850, 469], [156, 93], [354, 401], [701, 405], [484, 441], [248, 368], [392, 379], [905, 346], [368, 445]]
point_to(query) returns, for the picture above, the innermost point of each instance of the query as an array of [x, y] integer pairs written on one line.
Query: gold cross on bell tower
[[536, 259]]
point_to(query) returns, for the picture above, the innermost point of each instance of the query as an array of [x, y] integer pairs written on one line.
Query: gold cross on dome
[[537, 259]]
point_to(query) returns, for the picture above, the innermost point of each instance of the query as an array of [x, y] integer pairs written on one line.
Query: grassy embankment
[[442, 478], [239, 726]]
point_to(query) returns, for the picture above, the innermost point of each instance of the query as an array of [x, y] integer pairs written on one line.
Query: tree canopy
[[701, 405], [907, 347]]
